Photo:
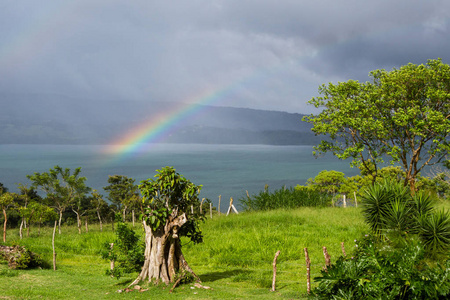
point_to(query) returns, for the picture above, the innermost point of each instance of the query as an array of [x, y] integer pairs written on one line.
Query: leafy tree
[[61, 187], [6, 201], [99, 205], [403, 114], [80, 205], [121, 192], [332, 182], [168, 200], [27, 196], [43, 214]]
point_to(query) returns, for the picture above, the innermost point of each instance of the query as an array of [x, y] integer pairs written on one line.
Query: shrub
[[378, 270], [18, 257], [285, 198], [127, 251]]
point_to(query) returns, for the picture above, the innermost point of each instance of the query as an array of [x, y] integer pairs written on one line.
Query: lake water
[[227, 170]]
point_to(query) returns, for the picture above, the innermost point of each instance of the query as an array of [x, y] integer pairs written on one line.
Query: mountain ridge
[[59, 119]]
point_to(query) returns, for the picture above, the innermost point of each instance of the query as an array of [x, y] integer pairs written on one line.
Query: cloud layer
[[260, 54]]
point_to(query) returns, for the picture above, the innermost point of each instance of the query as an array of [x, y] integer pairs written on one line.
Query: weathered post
[[343, 249], [53, 246], [308, 271], [327, 258], [112, 263], [275, 270], [231, 207]]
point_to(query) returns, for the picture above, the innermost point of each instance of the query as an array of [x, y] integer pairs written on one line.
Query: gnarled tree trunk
[[163, 256]]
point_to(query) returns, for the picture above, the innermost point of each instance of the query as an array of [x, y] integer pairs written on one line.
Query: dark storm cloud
[[267, 54]]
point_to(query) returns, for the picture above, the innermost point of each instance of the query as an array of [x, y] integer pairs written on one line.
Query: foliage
[[379, 271], [171, 194], [19, 257], [62, 188], [390, 210], [332, 182], [285, 198], [403, 114], [127, 251], [435, 231], [122, 192]]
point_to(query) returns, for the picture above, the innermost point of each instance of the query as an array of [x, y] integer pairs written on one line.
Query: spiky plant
[[434, 231], [383, 205]]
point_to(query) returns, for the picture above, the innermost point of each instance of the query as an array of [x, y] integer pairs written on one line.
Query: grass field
[[235, 259]]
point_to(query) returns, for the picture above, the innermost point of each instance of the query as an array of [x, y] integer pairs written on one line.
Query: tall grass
[[286, 198], [235, 259]]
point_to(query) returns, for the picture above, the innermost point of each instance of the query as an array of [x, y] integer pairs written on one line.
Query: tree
[[122, 191], [6, 201], [61, 187], [168, 200], [99, 205], [27, 195], [403, 114]]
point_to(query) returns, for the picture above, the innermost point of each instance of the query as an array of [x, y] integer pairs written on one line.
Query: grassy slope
[[235, 259]]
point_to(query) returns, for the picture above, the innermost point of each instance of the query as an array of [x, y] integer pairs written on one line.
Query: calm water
[[227, 170]]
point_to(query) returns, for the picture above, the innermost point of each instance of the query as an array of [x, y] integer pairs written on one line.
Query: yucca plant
[[386, 205], [434, 231], [391, 211]]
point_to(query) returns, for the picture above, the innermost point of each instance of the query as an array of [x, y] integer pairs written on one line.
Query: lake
[[226, 170]]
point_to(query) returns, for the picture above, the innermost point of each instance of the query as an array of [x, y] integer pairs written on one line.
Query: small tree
[[27, 194], [122, 191], [6, 201], [100, 205], [168, 200], [61, 187], [403, 114]]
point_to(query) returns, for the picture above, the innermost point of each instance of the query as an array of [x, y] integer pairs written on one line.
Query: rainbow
[[140, 138]]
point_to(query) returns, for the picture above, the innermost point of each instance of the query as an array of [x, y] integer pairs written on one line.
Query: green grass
[[235, 259]]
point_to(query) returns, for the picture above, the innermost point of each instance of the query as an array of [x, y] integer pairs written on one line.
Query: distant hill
[[56, 119]]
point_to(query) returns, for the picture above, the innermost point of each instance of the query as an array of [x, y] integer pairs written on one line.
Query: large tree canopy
[[402, 115]]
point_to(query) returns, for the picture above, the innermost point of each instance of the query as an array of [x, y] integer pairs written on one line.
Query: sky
[[270, 55]]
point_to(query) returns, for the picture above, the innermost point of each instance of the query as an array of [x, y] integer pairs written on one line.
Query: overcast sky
[[258, 54]]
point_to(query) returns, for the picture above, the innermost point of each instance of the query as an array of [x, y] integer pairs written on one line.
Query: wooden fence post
[[210, 209], [275, 270], [343, 249], [112, 263], [345, 202], [327, 258], [308, 271], [231, 207], [356, 200], [220, 196], [201, 204], [53, 246]]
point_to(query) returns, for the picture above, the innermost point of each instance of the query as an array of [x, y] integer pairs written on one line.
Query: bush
[[285, 198], [18, 257], [127, 251], [380, 270]]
